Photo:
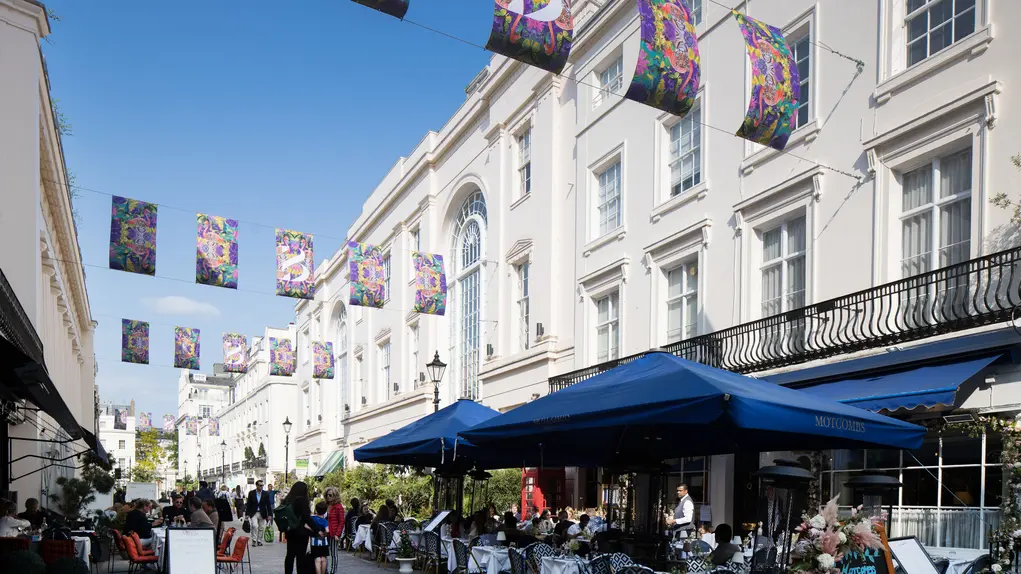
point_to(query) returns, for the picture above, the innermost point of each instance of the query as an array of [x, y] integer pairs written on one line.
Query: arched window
[[468, 248], [340, 326]]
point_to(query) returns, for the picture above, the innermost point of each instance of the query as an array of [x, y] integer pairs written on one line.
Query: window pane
[[928, 455], [796, 235], [918, 27], [771, 291], [955, 174], [915, 5], [845, 459], [690, 315], [603, 307], [675, 282], [917, 188], [917, 51], [994, 486], [961, 449], [674, 310], [940, 12], [955, 233], [692, 277], [964, 23], [994, 447], [919, 487], [916, 242], [940, 38], [961, 486], [882, 458], [771, 244], [614, 303], [796, 283]]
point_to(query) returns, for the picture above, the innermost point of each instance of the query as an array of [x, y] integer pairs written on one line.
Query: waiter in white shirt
[[684, 513]]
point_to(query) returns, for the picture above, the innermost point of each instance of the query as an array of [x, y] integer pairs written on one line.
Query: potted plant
[[405, 553], [824, 540]]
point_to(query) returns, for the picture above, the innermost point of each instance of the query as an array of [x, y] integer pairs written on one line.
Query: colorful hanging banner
[[395, 8], [120, 419], [235, 353], [216, 253], [214, 427], [430, 283], [668, 72], [281, 357], [322, 360], [776, 85], [192, 424], [134, 342], [133, 236], [536, 32], [366, 275], [144, 421], [295, 265], [186, 348], [168, 423]]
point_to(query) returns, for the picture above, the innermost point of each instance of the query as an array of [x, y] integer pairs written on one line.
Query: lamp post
[[198, 467], [223, 460], [436, 368], [185, 467], [287, 447]]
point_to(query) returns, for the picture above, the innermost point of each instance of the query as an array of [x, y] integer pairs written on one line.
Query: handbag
[[247, 525], [268, 535]]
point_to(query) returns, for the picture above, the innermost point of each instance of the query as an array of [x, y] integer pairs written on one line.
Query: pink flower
[[830, 541], [830, 511]]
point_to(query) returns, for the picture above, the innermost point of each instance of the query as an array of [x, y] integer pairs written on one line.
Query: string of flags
[[540, 33]]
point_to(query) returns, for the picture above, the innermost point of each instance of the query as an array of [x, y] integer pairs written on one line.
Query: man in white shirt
[[578, 529], [10, 523], [684, 513]]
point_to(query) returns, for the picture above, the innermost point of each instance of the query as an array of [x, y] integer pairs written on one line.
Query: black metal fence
[[970, 294]]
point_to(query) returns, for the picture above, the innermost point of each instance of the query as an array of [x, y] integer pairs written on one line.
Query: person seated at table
[[479, 523], [394, 512], [563, 524], [382, 516], [136, 521], [199, 518], [175, 509], [706, 535], [510, 528], [545, 522], [533, 512], [209, 507], [365, 517], [725, 549], [533, 527], [32, 513], [10, 523], [576, 530]]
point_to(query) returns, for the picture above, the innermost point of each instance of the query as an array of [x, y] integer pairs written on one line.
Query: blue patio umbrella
[[662, 407], [429, 441]]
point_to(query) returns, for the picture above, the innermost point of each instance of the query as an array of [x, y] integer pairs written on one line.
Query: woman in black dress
[[297, 538]]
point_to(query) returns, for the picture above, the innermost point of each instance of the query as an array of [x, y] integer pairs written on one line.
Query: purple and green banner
[[322, 360], [216, 253], [186, 348], [365, 263], [395, 8], [214, 427], [536, 32], [430, 283], [168, 423], [144, 421], [192, 426], [281, 357], [295, 265], [133, 236], [776, 85], [134, 342], [235, 353], [669, 67]]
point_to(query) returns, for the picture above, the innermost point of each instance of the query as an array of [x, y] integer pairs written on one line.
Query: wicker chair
[[600, 565], [534, 554], [410, 524], [619, 561], [634, 569], [517, 562], [386, 539], [429, 551]]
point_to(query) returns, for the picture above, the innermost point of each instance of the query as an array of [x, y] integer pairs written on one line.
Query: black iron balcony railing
[[970, 294]]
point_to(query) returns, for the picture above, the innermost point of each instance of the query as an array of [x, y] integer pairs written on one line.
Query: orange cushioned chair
[[225, 543], [138, 545], [135, 560], [237, 558]]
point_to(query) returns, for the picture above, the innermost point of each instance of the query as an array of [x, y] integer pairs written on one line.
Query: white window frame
[[603, 203], [684, 126], [122, 444], [524, 147], [611, 326], [696, 11], [784, 262], [523, 272], [385, 375], [414, 342], [362, 381], [683, 298], [304, 348], [936, 204], [205, 411], [924, 11], [610, 80], [387, 273], [416, 239], [306, 406], [804, 32]]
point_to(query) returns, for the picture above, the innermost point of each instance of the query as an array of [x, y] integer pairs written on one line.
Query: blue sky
[[277, 114]]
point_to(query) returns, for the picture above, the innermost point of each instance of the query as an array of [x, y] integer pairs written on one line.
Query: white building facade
[[117, 433], [47, 390], [580, 228], [199, 397]]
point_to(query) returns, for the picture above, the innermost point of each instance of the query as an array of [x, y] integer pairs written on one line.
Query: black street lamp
[[436, 368], [223, 460], [198, 468], [185, 469], [287, 446]]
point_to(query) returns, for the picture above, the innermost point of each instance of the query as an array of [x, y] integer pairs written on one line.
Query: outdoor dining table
[[363, 537], [159, 544], [959, 558], [81, 547], [489, 560], [564, 565]]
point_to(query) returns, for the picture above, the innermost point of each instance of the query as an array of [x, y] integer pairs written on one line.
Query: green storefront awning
[[331, 463]]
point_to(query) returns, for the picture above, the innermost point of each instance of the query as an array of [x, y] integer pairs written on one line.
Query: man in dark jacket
[[259, 510]]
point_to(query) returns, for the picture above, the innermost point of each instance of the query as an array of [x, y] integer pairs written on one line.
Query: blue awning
[[921, 387]]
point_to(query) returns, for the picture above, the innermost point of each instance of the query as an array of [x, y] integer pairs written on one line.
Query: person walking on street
[[259, 510], [335, 518], [239, 502], [297, 538]]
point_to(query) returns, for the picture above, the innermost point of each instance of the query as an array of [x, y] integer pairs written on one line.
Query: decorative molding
[[817, 187], [615, 235], [707, 234], [738, 224], [772, 194], [969, 47], [687, 240], [990, 111], [519, 201], [606, 274], [383, 336], [697, 193], [805, 134], [647, 261], [520, 252]]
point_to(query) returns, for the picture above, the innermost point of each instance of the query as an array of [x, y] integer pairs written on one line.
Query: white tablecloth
[[159, 541], [490, 559], [959, 558], [562, 566], [81, 546], [362, 537]]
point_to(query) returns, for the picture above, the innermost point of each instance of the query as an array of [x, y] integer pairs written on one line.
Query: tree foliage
[[149, 455], [1003, 201], [262, 450], [76, 494], [249, 455]]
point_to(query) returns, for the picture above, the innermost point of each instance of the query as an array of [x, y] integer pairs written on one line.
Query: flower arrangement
[[404, 548], [570, 547], [823, 540]]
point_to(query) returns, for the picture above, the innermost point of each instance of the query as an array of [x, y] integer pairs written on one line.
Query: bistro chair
[[600, 565], [12, 544], [410, 525], [224, 546], [980, 564], [941, 565], [517, 562], [635, 569], [138, 544], [619, 561], [136, 561], [463, 553], [117, 548], [386, 540], [429, 551], [53, 550], [534, 554], [237, 557]]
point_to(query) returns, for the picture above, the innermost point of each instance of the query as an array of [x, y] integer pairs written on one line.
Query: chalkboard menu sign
[[871, 560]]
